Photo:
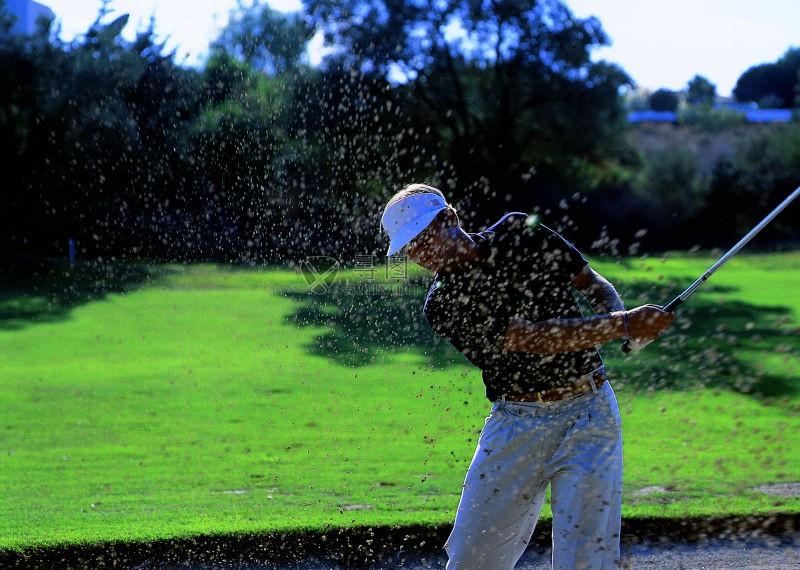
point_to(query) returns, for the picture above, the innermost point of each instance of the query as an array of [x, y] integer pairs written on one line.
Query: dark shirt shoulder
[[522, 242]]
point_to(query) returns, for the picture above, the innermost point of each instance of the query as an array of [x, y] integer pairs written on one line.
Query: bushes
[[111, 143], [707, 188], [762, 171]]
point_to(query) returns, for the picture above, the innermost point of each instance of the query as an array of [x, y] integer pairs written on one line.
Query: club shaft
[[735, 249], [632, 345]]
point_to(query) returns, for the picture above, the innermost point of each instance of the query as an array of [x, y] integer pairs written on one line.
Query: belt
[[583, 385]]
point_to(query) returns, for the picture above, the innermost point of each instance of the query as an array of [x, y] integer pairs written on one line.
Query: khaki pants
[[575, 446]]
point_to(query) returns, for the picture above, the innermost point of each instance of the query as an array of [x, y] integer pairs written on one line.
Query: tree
[[493, 92], [771, 84], [264, 38], [764, 168], [319, 142], [700, 91], [96, 146], [797, 91], [664, 100]]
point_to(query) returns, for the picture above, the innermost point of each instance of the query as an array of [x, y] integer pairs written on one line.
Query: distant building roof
[[769, 116], [752, 115], [652, 116]]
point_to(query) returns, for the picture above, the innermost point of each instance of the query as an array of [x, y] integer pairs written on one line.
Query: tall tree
[[701, 91], [265, 39], [495, 91], [664, 100], [315, 156], [96, 142], [771, 84]]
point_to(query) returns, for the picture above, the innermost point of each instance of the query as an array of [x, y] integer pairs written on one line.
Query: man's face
[[436, 247]]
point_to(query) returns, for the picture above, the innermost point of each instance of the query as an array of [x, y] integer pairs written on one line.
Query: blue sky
[[666, 43], [659, 43]]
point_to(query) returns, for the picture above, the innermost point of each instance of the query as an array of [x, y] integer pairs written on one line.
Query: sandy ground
[[750, 554], [744, 543], [716, 555]]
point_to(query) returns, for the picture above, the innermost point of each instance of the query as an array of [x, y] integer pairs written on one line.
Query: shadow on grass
[[362, 323], [711, 344], [34, 291], [715, 342]]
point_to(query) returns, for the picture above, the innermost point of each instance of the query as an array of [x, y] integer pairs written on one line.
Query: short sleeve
[[561, 257], [534, 249]]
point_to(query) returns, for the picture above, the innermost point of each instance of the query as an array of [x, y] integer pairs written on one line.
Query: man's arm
[[569, 335], [598, 290]]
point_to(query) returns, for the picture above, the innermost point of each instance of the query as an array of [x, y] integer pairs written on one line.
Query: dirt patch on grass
[[785, 490]]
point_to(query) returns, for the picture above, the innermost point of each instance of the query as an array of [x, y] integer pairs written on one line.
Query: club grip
[[634, 345]]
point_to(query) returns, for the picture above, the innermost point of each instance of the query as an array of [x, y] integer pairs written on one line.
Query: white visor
[[407, 218]]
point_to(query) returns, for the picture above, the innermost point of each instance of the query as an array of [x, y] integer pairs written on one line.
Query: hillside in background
[[709, 146]]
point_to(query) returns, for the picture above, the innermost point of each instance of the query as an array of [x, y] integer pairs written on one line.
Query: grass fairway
[[206, 400]]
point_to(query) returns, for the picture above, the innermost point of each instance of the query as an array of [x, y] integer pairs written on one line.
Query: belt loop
[[601, 370]]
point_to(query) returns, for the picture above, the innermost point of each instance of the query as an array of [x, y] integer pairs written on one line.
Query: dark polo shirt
[[525, 270]]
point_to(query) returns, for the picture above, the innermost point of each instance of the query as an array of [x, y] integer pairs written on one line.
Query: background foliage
[[259, 157]]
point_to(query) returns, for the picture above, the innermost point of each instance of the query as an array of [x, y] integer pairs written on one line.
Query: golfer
[[504, 298]]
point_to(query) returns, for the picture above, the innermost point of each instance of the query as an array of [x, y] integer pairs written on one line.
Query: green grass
[[203, 400]]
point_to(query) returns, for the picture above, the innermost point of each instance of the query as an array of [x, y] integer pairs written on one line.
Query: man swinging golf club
[[504, 298]]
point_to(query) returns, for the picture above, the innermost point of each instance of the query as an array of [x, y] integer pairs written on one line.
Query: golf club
[[632, 344]]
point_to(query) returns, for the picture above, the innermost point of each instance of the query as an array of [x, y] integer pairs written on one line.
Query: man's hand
[[647, 322]]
